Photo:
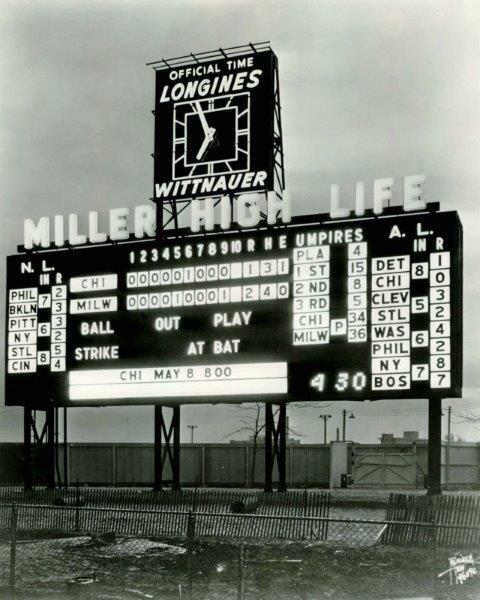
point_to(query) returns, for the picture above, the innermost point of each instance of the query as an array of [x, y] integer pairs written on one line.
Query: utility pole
[[325, 418], [192, 427], [449, 429], [344, 414]]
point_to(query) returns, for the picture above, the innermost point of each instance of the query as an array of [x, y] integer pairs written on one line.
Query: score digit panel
[[360, 309]]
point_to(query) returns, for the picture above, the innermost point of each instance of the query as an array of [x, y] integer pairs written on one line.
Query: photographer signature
[[462, 568]]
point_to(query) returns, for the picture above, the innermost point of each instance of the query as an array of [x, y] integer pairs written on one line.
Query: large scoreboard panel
[[358, 309]]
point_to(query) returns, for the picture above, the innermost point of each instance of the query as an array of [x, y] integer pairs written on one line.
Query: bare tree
[[469, 417], [252, 421], [454, 438]]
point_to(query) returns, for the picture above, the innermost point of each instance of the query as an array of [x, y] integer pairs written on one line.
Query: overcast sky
[[369, 89]]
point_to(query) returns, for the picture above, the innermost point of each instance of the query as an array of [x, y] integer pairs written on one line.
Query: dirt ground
[[128, 568], [351, 564]]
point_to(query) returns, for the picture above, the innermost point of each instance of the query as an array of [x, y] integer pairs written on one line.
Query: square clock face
[[211, 136]]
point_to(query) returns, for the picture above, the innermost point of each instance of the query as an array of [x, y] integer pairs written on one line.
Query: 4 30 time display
[[342, 381]]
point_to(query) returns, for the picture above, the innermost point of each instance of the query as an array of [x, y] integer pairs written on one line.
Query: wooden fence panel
[[453, 518]]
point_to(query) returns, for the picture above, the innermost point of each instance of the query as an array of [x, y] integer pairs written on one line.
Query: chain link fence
[[62, 552]]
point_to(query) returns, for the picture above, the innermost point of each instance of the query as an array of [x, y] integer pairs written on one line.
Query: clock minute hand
[[203, 120]]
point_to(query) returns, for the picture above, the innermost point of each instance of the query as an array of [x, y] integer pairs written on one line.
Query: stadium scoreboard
[[357, 309]]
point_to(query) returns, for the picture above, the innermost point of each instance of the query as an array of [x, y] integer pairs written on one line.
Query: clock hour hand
[[209, 136], [203, 120]]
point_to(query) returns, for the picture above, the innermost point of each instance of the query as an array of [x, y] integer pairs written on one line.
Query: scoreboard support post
[[27, 450], [65, 450], [176, 448], [434, 446], [275, 446], [61, 459], [169, 451], [44, 440], [50, 440]]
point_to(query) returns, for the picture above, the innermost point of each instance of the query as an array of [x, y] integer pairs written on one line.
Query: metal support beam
[[434, 446], [39, 448], [157, 450], [50, 454], [176, 448], [282, 448], [268, 482], [65, 449], [166, 447], [58, 475], [275, 446], [447, 449], [27, 450]]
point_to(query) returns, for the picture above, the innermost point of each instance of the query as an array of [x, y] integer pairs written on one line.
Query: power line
[[410, 411]]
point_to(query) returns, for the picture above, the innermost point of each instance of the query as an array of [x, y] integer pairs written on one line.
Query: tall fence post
[[190, 548], [77, 508], [194, 500], [241, 573], [433, 538], [305, 511], [13, 545]]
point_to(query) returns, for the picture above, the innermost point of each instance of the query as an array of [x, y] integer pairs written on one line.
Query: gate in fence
[[385, 467]]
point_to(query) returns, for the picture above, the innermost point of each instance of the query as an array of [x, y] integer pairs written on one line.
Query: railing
[[295, 502], [458, 516], [180, 554]]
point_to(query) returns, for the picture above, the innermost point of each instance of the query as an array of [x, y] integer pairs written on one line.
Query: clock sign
[[214, 132]]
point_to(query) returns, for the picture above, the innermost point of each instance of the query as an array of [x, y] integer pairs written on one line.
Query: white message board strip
[[184, 381], [185, 373], [179, 389]]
